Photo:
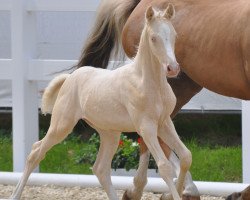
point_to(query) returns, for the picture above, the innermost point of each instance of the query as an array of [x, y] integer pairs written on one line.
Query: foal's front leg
[[190, 191], [148, 131], [169, 136], [102, 166], [140, 179]]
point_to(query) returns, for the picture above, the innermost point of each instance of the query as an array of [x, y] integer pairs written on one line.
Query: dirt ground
[[72, 193]]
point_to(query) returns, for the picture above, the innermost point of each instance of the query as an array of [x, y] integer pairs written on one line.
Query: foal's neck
[[146, 63]]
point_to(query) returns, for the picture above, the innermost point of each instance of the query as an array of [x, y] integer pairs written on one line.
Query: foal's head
[[162, 36]]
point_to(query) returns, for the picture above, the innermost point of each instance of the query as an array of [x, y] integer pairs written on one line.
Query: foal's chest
[[168, 100]]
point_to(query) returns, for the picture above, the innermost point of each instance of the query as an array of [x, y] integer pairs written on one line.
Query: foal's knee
[[165, 169], [186, 160]]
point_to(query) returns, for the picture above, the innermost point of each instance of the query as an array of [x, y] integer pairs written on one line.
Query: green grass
[[216, 163], [5, 153], [210, 163], [62, 158]]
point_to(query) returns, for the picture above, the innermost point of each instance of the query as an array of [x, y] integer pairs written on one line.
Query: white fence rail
[[62, 5], [25, 70]]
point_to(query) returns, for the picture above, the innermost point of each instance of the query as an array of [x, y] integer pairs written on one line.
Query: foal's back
[[101, 96]]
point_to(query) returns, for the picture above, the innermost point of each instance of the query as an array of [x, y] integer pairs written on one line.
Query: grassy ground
[[5, 151], [213, 140], [62, 158], [216, 163]]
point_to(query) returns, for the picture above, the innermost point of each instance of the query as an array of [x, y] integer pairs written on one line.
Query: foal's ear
[[169, 12], [149, 13]]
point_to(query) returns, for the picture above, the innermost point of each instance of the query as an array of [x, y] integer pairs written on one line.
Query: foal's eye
[[153, 39]]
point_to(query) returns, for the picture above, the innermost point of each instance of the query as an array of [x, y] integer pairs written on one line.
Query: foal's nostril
[[172, 70], [168, 68]]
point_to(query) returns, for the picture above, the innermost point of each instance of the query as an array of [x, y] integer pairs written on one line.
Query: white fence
[[25, 70]]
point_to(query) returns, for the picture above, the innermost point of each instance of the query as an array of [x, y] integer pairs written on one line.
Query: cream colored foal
[[133, 98]]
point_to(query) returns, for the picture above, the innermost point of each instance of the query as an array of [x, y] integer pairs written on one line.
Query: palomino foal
[[135, 97]]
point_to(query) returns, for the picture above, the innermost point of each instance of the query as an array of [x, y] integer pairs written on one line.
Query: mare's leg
[[63, 121], [102, 166], [244, 195], [148, 131], [140, 179], [169, 136]]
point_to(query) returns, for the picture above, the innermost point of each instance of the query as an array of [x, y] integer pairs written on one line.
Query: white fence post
[[245, 141], [24, 92]]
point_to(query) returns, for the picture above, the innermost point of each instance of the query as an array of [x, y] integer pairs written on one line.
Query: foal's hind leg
[[140, 179], [102, 166], [62, 123]]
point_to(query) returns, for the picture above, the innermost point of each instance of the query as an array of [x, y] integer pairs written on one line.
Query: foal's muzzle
[[171, 70]]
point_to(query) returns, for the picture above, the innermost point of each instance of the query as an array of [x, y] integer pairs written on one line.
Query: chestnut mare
[[135, 97], [212, 47]]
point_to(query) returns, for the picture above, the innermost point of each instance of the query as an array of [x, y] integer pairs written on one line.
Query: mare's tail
[[106, 33], [51, 92]]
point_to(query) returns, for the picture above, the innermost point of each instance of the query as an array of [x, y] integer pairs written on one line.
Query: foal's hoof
[[131, 195], [190, 197], [165, 196], [125, 196], [184, 197]]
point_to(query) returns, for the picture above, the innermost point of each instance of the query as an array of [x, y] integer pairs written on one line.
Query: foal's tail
[[51, 92], [106, 33]]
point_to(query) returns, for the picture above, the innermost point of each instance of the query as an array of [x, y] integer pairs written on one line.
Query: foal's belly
[[101, 104], [109, 119]]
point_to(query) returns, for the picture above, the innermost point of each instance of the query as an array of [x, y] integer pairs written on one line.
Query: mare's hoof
[[244, 195], [125, 196], [190, 197], [234, 196]]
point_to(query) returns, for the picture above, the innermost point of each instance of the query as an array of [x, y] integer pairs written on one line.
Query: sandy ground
[[72, 193]]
